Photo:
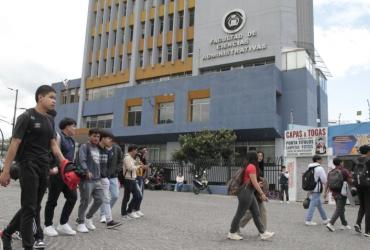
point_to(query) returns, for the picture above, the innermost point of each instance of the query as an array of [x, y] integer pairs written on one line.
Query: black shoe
[[112, 224], [358, 228], [39, 244], [7, 241]]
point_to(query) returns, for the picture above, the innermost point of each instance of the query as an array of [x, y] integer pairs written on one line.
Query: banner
[[349, 144], [306, 142]]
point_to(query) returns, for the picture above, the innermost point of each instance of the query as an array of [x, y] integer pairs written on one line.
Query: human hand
[[5, 178], [264, 197], [89, 175], [54, 171]]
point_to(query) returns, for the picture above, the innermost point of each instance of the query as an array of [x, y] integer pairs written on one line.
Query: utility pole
[[368, 105], [15, 107], [340, 114]]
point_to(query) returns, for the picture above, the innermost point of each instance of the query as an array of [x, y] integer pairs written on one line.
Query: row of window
[[70, 95], [101, 93]]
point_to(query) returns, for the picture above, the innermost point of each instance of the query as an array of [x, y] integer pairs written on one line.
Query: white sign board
[[306, 142]]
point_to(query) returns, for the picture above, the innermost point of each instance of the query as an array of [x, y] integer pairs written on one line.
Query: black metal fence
[[218, 172]]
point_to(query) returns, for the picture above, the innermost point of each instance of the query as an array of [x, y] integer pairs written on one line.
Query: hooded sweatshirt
[[319, 174]]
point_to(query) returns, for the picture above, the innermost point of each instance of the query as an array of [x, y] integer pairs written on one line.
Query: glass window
[[170, 28], [134, 116], [179, 51], [190, 48], [161, 24], [151, 27], [181, 19], [142, 30], [200, 110], [150, 56], [191, 17], [131, 33], [141, 62], [101, 121], [160, 55], [72, 96], [169, 53], [165, 113], [64, 97]]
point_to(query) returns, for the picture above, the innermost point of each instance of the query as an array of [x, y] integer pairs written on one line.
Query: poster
[[349, 144], [306, 142]]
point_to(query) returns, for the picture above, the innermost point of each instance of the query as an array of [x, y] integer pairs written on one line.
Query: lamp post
[[15, 106]]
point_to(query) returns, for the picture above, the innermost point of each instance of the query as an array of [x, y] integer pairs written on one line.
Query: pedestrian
[[339, 180], [106, 142], [261, 162], [90, 186], [67, 128], [362, 183], [32, 141], [141, 175], [284, 184], [247, 200], [130, 184], [115, 161], [179, 182], [315, 195]]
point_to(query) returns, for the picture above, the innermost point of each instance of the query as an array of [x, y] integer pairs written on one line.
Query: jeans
[[89, 189], [248, 216], [114, 193], [284, 188], [340, 203], [364, 198], [140, 182], [178, 186], [33, 181], [57, 186], [131, 187], [316, 202], [106, 199], [247, 201]]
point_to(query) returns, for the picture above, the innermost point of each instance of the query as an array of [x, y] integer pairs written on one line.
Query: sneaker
[[234, 236], [50, 231], [310, 223], [330, 227], [17, 236], [66, 229], [140, 213], [133, 215], [266, 235], [7, 241], [82, 228], [89, 224], [112, 224], [348, 227], [325, 222], [358, 228], [39, 244], [125, 217], [367, 234], [103, 219], [287, 202]]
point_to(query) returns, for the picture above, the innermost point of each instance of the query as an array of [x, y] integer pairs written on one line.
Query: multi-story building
[[155, 69]]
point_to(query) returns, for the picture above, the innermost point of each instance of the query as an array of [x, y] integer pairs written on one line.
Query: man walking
[[90, 186], [32, 141], [67, 127]]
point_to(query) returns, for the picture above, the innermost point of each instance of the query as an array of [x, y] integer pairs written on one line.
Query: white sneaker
[[66, 229], [139, 213], [50, 231], [325, 222], [126, 217], [103, 219], [266, 235], [330, 227], [89, 224], [82, 228], [310, 223], [348, 227], [287, 202], [234, 236], [133, 215]]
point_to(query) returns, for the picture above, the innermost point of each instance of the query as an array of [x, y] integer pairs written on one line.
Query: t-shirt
[[36, 130], [250, 169], [346, 177]]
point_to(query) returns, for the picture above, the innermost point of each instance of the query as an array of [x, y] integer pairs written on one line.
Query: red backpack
[[68, 174]]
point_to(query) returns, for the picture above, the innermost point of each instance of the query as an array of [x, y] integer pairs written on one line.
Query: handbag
[[307, 201]]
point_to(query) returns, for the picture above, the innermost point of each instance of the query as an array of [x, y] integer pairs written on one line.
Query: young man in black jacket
[[32, 141]]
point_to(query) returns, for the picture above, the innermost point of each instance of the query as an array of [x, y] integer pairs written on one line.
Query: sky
[[42, 43]]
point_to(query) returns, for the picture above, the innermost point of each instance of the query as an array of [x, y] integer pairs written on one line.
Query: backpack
[[335, 180], [283, 180], [68, 174], [308, 180], [235, 184], [361, 174]]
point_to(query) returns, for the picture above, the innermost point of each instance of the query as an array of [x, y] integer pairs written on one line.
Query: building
[[155, 69]]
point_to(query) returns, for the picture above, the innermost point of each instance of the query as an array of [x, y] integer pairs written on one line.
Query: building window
[[134, 116], [131, 33], [100, 93], [129, 61], [64, 97], [170, 28], [151, 27], [160, 55], [166, 113], [72, 96], [142, 30], [161, 24], [99, 121], [181, 19], [199, 110], [191, 17], [190, 48], [179, 51], [141, 62], [169, 54], [150, 56]]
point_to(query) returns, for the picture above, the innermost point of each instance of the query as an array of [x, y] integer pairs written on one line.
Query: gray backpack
[[335, 180]]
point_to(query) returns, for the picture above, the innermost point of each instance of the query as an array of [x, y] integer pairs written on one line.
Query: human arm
[[256, 185], [12, 151], [82, 156]]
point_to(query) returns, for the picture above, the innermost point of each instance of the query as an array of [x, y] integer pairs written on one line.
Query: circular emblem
[[234, 21]]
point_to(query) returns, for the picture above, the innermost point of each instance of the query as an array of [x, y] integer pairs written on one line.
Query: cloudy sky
[[42, 42]]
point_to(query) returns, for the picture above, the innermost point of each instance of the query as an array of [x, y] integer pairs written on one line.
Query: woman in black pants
[[247, 200]]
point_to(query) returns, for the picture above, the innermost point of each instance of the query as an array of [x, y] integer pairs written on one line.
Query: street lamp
[[15, 106]]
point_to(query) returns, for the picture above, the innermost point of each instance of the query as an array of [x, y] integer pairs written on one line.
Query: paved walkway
[[185, 221]]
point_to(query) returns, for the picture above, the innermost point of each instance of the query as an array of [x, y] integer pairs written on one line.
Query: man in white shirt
[[179, 182]]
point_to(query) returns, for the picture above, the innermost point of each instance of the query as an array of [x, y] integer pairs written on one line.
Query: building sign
[[349, 144], [234, 21], [234, 44], [306, 142]]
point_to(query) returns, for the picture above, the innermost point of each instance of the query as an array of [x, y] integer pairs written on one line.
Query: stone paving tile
[[186, 221]]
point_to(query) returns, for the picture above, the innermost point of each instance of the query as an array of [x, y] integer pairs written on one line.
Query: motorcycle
[[200, 183], [156, 180]]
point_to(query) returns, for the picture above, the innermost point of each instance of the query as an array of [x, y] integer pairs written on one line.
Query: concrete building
[[155, 69]]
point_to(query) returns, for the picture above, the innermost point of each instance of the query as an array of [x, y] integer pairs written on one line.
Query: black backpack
[[308, 180], [335, 180], [361, 174]]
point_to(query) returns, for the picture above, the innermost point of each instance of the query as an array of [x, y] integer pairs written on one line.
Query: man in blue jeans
[[320, 179]]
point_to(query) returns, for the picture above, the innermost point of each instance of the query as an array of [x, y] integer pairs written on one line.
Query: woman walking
[[247, 200]]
